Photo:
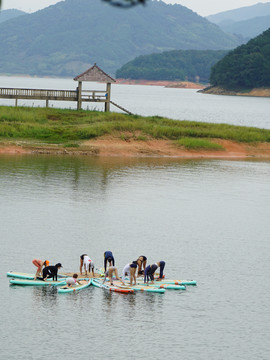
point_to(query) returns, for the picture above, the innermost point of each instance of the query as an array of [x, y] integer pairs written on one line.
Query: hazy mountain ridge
[[248, 28], [6, 15], [64, 39], [240, 14]]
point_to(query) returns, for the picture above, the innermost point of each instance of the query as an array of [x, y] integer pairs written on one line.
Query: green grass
[[198, 144], [64, 126]]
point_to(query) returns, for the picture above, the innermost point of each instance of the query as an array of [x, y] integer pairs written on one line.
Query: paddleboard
[[177, 282], [27, 282], [164, 286], [67, 289], [21, 275], [153, 289], [121, 288]]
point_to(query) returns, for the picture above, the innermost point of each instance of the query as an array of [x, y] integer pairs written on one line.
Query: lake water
[[209, 220], [178, 104]]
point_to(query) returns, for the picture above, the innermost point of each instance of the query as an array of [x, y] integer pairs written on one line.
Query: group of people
[[132, 270], [45, 271]]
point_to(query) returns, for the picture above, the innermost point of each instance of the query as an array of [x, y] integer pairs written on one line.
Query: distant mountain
[[246, 67], [64, 39], [241, 14], [10, 14], [194, 65], [248, 28]]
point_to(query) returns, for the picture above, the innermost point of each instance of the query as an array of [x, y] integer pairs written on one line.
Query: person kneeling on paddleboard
[[51, 272], [39, 264], [73, 280], [109, 274]]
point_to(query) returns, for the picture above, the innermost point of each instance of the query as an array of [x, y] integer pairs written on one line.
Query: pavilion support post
[[108, 97], [79, 92], [16, 102], [47, 103]]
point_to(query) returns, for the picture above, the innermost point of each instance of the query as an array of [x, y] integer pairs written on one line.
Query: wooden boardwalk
[[57, 95], [43, 94]]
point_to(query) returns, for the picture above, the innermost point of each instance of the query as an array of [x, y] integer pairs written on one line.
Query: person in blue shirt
[[151, 269], [108, 256], [161, 266]]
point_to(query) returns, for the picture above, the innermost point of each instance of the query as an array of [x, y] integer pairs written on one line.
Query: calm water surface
[[178, 104], [209, 220]]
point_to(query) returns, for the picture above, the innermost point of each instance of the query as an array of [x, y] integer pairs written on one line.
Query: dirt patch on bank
[[109, 145]]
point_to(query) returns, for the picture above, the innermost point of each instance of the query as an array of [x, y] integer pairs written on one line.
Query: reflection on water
[[209, 220]]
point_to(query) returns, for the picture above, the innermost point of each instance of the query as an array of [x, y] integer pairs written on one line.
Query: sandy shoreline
[[108, 146], [256, 92]]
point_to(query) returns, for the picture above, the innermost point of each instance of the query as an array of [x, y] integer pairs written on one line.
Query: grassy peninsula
[[50, 130]]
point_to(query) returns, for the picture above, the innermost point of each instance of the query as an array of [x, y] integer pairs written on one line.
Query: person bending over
[[39, 264], [142, 260], [87, 263], [161, 265], [108, 256], [130, 271], [109, 273]]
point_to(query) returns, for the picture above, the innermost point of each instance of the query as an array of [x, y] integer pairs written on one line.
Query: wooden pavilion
[[95, 74]]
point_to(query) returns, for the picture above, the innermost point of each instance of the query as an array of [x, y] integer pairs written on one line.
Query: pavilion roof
[[94, 73]]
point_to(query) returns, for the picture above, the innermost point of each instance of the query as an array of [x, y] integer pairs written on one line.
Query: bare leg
[[81, 265], [117, 277]]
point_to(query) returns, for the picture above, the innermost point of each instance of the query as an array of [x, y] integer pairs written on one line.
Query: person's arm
[[105, 262], [113, 260]]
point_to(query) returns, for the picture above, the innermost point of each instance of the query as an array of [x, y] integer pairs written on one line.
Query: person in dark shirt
[[108, 256], [51, 272], [150, 271], [141, 261]]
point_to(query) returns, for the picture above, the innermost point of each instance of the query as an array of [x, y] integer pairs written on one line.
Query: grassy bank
[[70, 128]]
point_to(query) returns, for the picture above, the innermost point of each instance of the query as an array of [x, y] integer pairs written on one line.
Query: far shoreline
[[217, 90]]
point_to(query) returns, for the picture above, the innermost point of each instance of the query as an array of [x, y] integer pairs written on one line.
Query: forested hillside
[[246, 67], [192, 65], [65, 39]]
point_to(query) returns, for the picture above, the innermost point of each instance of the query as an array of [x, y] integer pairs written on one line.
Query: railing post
[[108, 97], [79, 94]]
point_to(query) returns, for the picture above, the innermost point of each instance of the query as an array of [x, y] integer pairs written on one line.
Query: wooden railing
[[42, 94]]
